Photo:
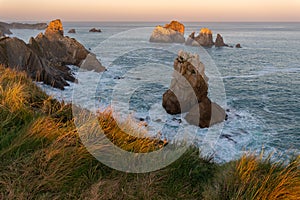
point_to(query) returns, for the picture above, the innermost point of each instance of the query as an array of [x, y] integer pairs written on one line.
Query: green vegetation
[[42, 157]]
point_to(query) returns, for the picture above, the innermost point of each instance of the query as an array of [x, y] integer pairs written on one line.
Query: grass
[[42, 157]]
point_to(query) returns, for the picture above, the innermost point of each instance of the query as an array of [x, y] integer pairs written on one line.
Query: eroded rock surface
[[188, 93]]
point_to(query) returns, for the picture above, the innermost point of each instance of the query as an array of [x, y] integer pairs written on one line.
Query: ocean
[[258, 84]]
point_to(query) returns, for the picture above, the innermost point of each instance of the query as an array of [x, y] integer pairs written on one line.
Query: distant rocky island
[[45, 57], [5, 27], [174, 33]]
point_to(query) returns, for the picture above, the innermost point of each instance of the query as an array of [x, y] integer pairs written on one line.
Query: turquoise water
[[261, 81]]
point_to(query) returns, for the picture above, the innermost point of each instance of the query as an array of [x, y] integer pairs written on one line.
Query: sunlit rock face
[[220, 41], [205, 38], [54, 27], [176, 26], [170, 33], [60, 49], [188, 93]]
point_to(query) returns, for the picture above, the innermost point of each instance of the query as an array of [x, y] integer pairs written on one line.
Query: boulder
[[220, 42], [188, 92], [72, 30], [170, 33], [94, 30], [238, 46]]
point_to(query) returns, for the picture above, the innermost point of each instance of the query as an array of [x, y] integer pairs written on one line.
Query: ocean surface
[[258, 84]]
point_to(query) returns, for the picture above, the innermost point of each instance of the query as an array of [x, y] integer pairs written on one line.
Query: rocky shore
[[45, 57]]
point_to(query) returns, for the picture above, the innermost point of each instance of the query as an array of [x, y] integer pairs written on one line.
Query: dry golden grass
[[42, 157], [253, 177]]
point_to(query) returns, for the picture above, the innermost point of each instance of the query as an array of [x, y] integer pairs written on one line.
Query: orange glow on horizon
[[155, 10]]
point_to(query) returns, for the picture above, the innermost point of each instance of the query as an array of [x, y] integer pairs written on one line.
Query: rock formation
[[1, 34], [204, 38], [188, 93], [170, 33], [72, 30], [46, 56], [94, 30], [16, 54], [238, 46], [176, 26], [220, 42]]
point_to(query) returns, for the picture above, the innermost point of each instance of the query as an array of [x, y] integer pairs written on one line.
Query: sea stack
[[205, 38], [170, 33], [220, 42], [188, 93]]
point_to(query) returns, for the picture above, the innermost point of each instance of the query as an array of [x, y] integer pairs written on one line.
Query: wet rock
[[72, 30], [91, 63], [188, 93], [94, 30], [220, 42], [238, 46]]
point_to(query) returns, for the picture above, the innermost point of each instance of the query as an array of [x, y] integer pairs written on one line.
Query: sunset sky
[[150, 10]]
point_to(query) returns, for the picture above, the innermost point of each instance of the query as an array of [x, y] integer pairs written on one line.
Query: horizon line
[[146, 21]]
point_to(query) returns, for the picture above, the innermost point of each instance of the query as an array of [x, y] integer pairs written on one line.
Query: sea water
[[260, 82]]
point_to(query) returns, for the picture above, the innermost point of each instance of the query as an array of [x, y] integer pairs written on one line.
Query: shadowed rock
[[170, 33], [72, 30], [204, 38], [238, 46], [46, 56], [94, 30], [220, 42], [188, 93]]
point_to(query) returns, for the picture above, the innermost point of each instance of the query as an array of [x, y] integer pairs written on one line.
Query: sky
[[151, 10]]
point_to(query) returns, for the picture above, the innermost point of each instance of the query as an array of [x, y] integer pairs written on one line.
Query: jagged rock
[[188, 92], [190, 41], [1, 34], [91, 63], [170, 33], [14, 53], [204, 38], [72, 30], [220, 42], [238, 46], [55, 28], [94, 30], [176, 26], [46, 56]]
